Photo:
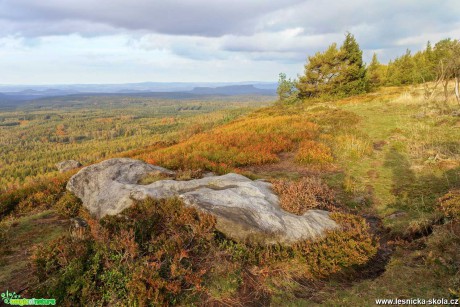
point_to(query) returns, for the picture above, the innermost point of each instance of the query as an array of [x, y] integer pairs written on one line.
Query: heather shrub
[[163, 253], [307, 193], [449, 204], [38, 200], [155, 251], [348, 247], [352, 245], [312, 152], [68, 205], [37, 196]]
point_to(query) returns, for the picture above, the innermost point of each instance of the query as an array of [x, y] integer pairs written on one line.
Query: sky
[[121, 41]]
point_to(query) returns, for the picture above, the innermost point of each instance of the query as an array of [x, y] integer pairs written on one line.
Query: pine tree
[[402, 70], [375, 74], [286, 89], [321, 73], [335, 72], [352, 79]]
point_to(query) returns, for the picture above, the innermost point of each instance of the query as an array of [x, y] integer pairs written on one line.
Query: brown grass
[[307, 193], [449, 204]]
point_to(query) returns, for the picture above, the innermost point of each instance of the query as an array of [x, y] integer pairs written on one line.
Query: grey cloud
[[376, 24], [192, 17], [259, 30]]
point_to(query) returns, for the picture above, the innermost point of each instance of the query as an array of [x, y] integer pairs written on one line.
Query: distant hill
[[233, 90], [127, 87], [26, 95]]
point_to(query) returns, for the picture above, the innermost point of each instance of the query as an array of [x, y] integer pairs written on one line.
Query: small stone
[[65, 166], [397, 214], [78, 227], [419, 115]]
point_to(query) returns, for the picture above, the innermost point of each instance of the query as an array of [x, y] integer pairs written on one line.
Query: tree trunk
[[457, 94], [446, 93]]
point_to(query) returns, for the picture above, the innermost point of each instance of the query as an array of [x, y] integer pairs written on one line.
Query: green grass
[[398, 175], [401, 175], [416, 270]]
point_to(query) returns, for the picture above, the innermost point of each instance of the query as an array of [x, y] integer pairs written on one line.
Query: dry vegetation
[[307, 193], [249, 141], [449, 204], [164, 252]]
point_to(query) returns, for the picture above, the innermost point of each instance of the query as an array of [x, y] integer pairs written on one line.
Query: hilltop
[[385, 163], [343, 191]]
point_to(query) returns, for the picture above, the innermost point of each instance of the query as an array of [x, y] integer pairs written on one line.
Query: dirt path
[[286, 168]]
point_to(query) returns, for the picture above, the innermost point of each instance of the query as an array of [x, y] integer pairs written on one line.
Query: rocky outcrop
[[65, 166], [245, 209]]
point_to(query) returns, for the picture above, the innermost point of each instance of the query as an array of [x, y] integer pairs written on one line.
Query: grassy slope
[[415, 160], [418, 162]]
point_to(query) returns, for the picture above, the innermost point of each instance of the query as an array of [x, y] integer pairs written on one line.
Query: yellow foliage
[[353, 245], [352, 146], [311, 152], [248, 141]]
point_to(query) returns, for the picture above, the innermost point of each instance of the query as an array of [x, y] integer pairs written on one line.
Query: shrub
[[311, 152], [307, 193], [254, 140], [68, 205], [155, 251], [39, 195], [350, 246], [37, 201], [449, 204], [161, 252]]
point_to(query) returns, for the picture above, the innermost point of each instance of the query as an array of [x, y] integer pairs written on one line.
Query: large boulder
[[245, 209], [68, 165]]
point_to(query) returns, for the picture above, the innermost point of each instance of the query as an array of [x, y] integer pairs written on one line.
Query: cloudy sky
[[121, 41]]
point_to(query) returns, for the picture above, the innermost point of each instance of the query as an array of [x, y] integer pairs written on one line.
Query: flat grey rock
[[65, 166], [245, 209]]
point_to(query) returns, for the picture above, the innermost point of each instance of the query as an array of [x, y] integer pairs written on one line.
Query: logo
[[11, 298]]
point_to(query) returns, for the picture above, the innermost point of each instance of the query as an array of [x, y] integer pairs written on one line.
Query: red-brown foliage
[[307, 193]]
